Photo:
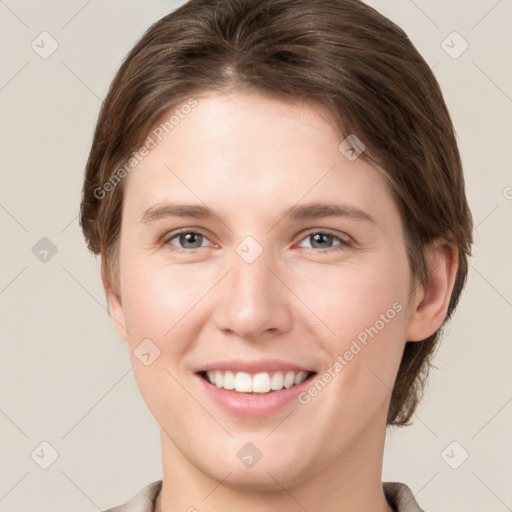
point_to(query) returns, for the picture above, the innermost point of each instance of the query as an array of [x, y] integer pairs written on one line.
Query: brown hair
[[340, 53]]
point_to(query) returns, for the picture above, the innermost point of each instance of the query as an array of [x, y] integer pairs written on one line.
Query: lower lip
[[253, 404]]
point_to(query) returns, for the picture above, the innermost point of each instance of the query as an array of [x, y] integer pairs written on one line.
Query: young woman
[[277, 196]]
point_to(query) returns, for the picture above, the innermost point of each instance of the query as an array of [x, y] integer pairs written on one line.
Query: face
[[251, 286]]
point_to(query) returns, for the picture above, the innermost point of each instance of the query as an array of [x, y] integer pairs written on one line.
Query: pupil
[[318, 237], [189, 238]]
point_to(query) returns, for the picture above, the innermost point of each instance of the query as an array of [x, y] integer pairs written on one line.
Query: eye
[[324, 240], [188, 240]]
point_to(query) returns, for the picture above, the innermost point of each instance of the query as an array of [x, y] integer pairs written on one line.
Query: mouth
[[265, 382], [253, 388]]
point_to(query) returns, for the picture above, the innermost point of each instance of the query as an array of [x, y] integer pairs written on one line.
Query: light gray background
[[65, 375]]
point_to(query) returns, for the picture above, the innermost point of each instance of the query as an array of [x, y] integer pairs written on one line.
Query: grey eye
[[188, 240]]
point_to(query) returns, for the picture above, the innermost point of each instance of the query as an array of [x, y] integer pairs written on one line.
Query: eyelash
[[344, 244]]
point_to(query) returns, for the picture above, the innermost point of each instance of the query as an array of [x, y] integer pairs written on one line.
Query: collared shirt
[[399, 496]]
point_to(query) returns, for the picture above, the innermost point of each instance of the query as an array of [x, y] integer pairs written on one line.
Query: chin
[[260, 478]]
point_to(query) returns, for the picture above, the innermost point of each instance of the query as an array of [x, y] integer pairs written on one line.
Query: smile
[[261, 382]]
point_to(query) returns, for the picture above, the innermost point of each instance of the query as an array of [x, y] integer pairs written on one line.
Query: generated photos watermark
[[356, 346], [156, 136]]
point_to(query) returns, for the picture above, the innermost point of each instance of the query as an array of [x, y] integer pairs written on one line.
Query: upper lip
[[262, 365]]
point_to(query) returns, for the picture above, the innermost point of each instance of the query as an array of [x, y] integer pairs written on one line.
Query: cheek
[[365, 310], [350, 298], [160, 301]]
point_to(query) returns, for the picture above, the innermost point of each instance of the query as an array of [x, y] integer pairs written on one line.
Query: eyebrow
[[297, 212]]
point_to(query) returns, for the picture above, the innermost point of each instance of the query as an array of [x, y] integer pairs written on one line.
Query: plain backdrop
[[67, 390]]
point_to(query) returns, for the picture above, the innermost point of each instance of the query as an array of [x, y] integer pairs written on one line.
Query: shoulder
[[400, 497], [143, 501]]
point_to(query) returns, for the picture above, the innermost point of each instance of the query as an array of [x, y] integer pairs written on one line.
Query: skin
[[249, 157]]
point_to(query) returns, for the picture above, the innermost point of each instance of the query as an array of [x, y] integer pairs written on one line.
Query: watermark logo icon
[[44, 250], [146, 352], [454, 45], [44, 455], [351, 147], [249, 454], [44, 45], [249, 249], [454, 455]]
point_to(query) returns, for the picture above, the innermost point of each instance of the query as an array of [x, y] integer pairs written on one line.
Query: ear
[[430, 303], [115, 306]]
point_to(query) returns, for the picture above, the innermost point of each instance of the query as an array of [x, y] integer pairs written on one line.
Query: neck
[[351, 483]]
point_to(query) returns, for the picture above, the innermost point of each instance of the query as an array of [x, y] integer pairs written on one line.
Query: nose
[[254, 301]]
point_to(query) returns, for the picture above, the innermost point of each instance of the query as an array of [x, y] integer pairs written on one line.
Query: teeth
[[243, 382], [276, 382], [289, 379], [229, 380], [262, 382]]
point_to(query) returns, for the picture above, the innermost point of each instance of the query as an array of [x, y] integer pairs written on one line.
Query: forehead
[[248, 151]]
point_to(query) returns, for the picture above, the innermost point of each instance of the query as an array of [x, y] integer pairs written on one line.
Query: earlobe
[[430, 306], [115, 307]]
